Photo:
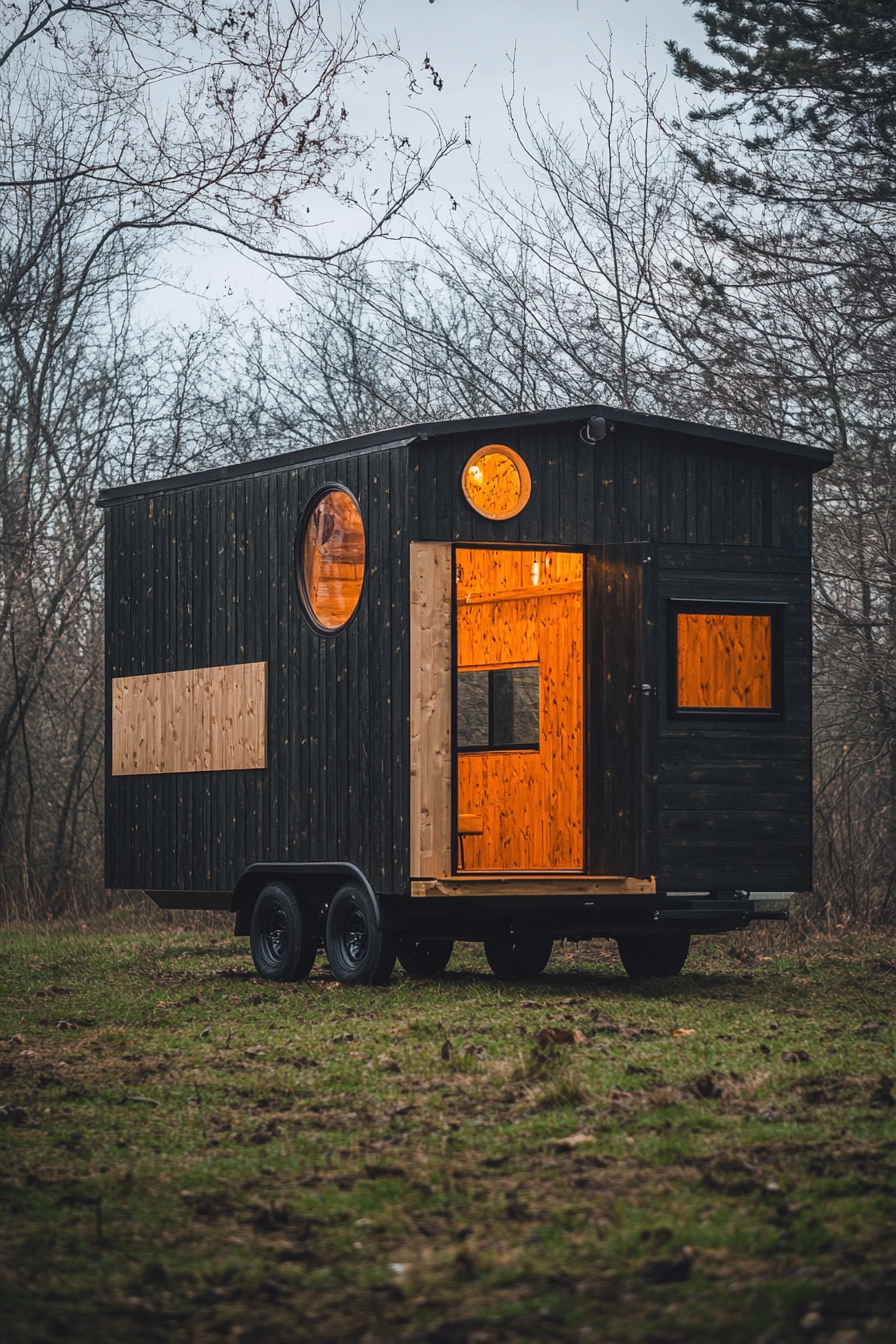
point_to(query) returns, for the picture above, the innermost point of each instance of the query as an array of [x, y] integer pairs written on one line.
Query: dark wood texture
[[200, 573], [634, 485], [205, 577], [735, 797], [621, 726]]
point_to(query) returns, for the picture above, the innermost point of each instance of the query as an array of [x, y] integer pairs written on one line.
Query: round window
[[330, 558], [496, 482]]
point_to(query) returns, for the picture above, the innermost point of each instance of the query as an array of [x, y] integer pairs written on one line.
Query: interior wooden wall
[[531, 802], [724, 661]]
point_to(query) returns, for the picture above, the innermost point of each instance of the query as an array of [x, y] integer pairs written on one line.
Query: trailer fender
[[317, 882]]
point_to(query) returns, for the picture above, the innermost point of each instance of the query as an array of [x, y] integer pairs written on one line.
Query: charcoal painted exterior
[[200, 572]]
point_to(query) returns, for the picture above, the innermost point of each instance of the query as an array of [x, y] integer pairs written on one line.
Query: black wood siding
[[734, 801], [203, 577], [620, 640], [735, 798], [637, 484]]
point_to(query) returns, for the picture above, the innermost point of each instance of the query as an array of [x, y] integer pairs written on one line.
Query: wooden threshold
[[530, 885]]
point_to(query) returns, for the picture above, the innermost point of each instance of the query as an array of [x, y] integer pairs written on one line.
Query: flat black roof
[[405, 434]]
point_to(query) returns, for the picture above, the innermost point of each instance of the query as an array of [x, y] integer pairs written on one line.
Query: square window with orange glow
[[725, 659]]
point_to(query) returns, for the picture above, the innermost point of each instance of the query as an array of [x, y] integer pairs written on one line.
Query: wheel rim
[[275, 937], [355, 937]]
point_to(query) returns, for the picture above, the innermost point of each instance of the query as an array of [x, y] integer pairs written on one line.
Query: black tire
[[359, 953], [424, 956], [653, 955], [281, 935], [518, 956]]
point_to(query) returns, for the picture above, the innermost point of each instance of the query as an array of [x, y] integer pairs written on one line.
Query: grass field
[[191, 1154]]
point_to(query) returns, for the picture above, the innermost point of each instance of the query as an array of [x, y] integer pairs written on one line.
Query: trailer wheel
[[281, 934], [518, 956], [359, 953], [424, 956], [647, 955]]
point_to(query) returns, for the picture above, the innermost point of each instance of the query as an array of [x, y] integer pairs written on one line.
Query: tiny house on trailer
[[513, 679]]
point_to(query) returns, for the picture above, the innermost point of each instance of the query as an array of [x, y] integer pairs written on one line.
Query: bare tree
[[62, 383], [205, 116], [123, 125], [521, 300], [752, 298]]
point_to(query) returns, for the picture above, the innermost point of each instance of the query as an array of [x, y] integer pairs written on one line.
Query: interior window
[[472, 711], [724, 660], [498, 708]]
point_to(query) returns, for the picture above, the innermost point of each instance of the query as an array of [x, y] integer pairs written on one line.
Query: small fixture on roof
[[594, 430]]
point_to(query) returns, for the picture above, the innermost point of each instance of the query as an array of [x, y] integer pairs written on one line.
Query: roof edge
[[401, 435]]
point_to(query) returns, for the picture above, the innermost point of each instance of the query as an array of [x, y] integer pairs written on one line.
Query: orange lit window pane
[[496, 482], [333, 549], [724, 661]]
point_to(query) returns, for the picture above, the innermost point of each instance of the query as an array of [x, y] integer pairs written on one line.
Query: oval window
[[331, 559], [496, 482]]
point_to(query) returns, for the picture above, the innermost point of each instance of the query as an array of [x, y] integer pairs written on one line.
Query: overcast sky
[[473, 43], [474, 46]]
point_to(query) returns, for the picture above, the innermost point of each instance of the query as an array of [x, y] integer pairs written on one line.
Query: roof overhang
[[402, 435]]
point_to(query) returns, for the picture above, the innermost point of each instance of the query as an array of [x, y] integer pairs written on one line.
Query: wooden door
[[519, 711], [623, 710]]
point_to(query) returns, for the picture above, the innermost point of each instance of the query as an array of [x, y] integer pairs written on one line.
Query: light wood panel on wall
[[430, 709], [210, 718], [520, 608]]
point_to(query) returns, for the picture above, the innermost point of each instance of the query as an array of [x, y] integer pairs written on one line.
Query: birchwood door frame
[[432, 576]]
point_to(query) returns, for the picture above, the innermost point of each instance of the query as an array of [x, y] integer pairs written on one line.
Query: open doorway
[[519, 710]]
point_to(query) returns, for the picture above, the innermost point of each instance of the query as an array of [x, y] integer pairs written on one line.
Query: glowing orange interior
[[496, 482], [724, 661], [333, 549], [524, 609]]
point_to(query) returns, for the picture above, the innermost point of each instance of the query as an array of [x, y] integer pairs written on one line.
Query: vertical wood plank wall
[[735, 798], [731, 802], [637, 484], [430, 758], [203, 576]]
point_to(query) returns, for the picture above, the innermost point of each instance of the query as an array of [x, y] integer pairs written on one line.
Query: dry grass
[[190, 1154]]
